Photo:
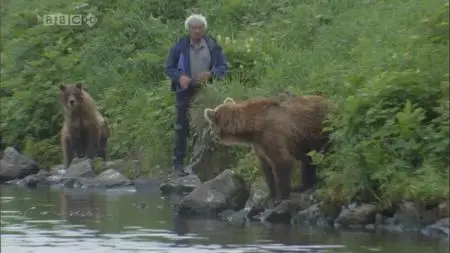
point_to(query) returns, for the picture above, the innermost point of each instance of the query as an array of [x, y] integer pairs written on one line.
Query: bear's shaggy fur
[[279, 132], [85, 131]]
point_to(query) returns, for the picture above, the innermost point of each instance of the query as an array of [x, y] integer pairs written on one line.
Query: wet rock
[[280, 213], [15, 165], [239, 218], [148, 185], [107, 179], [284, 211], [312, 215], [259, 194], [79, 168], [112, 177], [226, 215], [225, 191], [14, 181], [55, 179], [58, 170], [209, 158], [34, 181], [44, 173], [180, 185], [410, 217], [304, 200], [124, 166], [356, 216], [69, 183], [440, 228]]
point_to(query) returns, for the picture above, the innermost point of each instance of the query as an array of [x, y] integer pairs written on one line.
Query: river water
[[50, 220]]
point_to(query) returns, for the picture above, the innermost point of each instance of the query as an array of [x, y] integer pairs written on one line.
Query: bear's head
[[71, 95], [219, 118]]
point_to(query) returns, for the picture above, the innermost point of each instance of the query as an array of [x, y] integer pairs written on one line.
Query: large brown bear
[[85, 131], [279, 132]]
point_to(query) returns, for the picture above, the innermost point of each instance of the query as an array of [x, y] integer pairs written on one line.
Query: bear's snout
[[71, 101]]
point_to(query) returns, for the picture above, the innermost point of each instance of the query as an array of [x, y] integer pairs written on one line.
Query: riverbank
[[227, 197], [114, 221]]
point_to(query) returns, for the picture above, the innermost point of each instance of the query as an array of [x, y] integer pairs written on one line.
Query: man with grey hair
[[193, 60]]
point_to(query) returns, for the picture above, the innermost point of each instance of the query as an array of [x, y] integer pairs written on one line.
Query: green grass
[[384, 63]]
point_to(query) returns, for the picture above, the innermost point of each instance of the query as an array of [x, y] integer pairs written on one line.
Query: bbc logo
[[62, 19], [68, 20]]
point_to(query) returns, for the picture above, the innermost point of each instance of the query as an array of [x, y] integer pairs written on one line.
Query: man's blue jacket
[[177, 63]]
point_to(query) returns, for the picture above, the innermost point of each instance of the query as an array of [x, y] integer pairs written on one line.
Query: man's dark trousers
[[183, 101]]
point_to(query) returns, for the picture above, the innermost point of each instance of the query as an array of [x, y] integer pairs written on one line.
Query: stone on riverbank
[[15, 165], [180, 185], [107, 179], [225, 191], [80, 168], [356, 216], [439, 228]]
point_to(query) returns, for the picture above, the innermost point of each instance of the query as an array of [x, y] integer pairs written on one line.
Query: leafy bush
[[383, 63]]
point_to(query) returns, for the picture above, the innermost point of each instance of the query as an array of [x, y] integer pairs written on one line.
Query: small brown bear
[[85, 131], [279, 132]]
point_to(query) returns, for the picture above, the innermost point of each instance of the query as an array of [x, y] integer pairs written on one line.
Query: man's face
[[196, 31]]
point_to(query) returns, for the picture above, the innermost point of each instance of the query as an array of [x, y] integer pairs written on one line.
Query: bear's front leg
[[68, 153], [266, 169], [91, 145], [309, 174], [77, 142], [282, 162], [103, 142]]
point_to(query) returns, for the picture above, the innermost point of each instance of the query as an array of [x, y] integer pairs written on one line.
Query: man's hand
[[204, 76], [184, 81]]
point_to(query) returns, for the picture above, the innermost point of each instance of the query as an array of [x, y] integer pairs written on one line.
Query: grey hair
[[195, 18]]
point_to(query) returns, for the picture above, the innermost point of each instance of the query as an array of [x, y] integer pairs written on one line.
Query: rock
[[107, 179], [181, 185], [55, 179], [239, 218], [43, 172], [284, 211], [440, 228], [79, 168], [443, 209], [124, 166], [226, 215], [34, 181], [225, 191], [280, 213], [15, 165], [411, 217], [311, 216], [356, 216], [259, 194], [58, 170], [148, 185], [303, 200], [112, 178], [208, 158]]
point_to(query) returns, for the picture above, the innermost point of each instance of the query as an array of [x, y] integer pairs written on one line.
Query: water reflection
[[78, 207], [83, 221]]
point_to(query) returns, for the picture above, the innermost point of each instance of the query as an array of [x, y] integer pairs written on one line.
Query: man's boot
[[178, 170]]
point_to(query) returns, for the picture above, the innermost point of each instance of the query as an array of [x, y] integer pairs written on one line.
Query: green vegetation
[[384, 64]]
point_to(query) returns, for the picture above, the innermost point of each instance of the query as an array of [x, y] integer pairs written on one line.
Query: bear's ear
[[228, 100], [79, 85], [209, 114], [62, 87]]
